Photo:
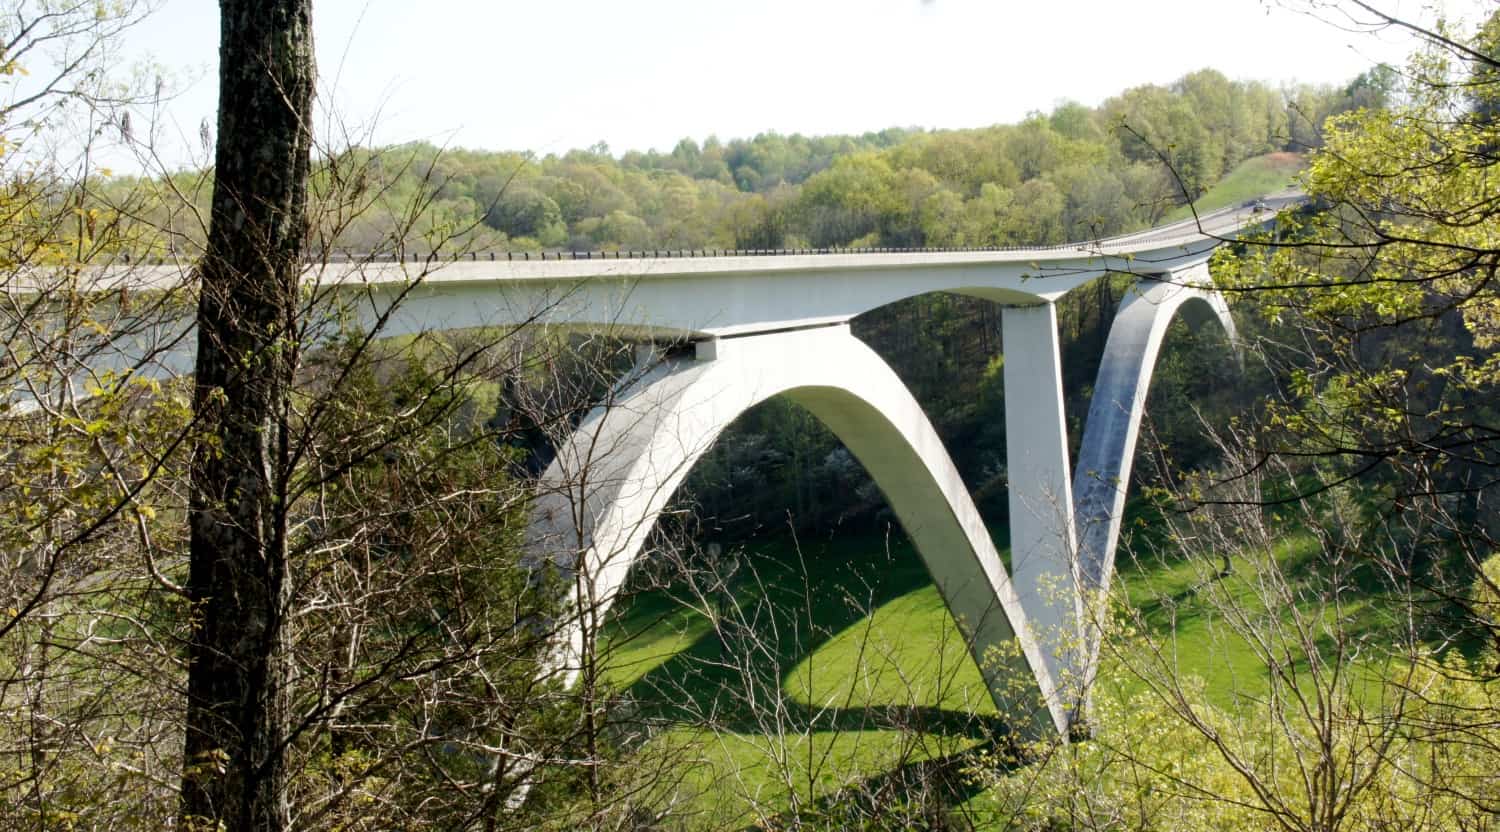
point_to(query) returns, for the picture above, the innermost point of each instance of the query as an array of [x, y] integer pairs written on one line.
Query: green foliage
[[1381, 315], [409, 540], [1485, 595], [1147, 768], [1075, 173], [89, 521]]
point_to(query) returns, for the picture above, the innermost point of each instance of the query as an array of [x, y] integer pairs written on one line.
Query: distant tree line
[[1071, 174], [1074, 173]]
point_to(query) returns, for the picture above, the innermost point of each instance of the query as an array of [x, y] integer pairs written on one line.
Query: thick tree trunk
[[234, 772]]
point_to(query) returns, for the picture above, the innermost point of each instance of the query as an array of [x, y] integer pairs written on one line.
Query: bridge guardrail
[[1193, 230]]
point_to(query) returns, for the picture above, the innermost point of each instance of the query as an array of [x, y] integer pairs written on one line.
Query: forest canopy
[[1075, 173]]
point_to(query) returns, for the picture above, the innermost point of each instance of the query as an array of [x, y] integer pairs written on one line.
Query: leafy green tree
[[962, 161], [1096, 202], [523, 211], [1033, 147], [849, 200], [619, 230], [755, 223], [1035, 215], [585, 189], [985, 216], [1152, 122], [1076, 122], [943, 220], [1395, 275]]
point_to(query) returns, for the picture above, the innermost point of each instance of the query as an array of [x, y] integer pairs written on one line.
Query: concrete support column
[[1042, 545]]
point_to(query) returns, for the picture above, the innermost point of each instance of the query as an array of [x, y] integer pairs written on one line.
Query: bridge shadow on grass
[[845, 637]]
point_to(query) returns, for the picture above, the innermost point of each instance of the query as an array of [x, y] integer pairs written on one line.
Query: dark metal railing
[[415, 256]]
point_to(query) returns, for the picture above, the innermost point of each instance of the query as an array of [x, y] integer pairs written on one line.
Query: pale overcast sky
[[551, 75]]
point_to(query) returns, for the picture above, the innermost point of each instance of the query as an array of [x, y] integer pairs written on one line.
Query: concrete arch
[[617, 472], [1105, 455]]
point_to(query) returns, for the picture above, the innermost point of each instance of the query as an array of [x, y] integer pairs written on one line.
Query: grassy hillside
[[821, 663], [1251, 178], [835, 668]]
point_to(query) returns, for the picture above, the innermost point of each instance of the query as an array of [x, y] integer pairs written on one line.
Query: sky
[[550, 75]]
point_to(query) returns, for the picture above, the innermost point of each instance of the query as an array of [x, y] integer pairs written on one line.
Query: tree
[[1390, 290], [849, 200], [84, 439], [523, 212], [235, 773]]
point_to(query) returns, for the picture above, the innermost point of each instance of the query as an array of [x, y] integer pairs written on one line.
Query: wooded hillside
[[1072, 174]]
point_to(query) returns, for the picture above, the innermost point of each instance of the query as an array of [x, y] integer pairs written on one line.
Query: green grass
[[849, 626], [856, 649], [1251, 178]]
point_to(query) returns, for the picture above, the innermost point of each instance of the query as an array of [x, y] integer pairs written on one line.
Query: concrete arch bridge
[[765, 326]]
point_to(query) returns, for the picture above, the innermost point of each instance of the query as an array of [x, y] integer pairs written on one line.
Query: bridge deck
[[715, 296], [728, 294]]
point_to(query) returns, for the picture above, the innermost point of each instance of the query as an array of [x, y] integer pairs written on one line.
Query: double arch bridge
[[766, 326]]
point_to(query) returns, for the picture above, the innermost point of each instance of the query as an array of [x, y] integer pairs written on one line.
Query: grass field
[[834, 665], [834, 668], [1251, 178]]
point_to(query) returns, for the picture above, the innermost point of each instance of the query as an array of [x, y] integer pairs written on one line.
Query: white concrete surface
[[612, 480], [1109, 438], [1040, 497], [666, 297], [708, 296]]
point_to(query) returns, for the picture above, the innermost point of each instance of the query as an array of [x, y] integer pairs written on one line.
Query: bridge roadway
[[766, 326], [677, 296], [728, 295]]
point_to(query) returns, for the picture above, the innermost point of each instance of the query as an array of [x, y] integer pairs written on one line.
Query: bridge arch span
[[1107, 451], [614, 476]]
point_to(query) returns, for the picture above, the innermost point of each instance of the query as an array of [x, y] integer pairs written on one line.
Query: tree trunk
[[234, 772]]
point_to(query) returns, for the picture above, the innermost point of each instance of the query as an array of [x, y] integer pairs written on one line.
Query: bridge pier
[[1042, 545]]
